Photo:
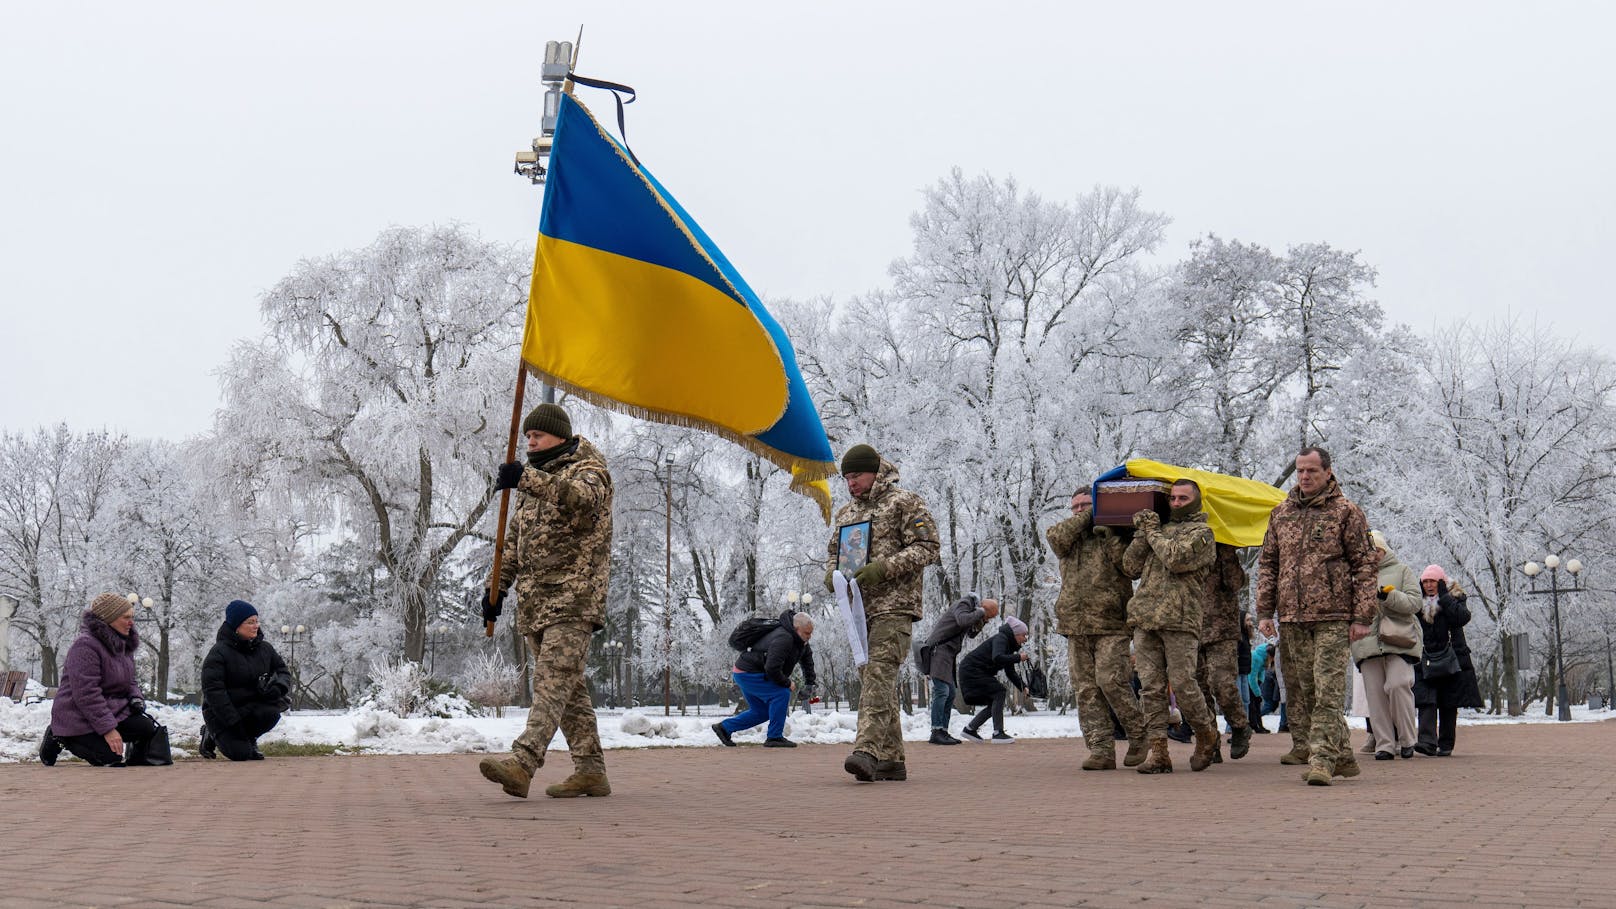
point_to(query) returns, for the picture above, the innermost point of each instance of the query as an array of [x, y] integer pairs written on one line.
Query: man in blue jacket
[[763, 672]]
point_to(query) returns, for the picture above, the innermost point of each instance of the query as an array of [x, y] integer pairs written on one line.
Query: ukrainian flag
[[634, 307], [1236, 508]]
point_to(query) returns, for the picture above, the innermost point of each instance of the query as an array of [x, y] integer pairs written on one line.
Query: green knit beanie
[[860, 459], [548, 418]]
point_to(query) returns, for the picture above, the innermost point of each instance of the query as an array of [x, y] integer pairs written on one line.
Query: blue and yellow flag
[[634, 308], [1236, 508]]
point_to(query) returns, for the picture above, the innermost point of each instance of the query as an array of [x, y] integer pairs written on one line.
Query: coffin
[[1117, 501]]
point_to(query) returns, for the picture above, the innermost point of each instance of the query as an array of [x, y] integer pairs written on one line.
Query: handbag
[[1441, 663], [1038, 684], [1402, 634], [154, 752]]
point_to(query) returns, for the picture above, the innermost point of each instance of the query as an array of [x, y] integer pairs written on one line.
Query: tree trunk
[[524, 686], [414, 597], [49, 674], [162, 663], [1512, 682]]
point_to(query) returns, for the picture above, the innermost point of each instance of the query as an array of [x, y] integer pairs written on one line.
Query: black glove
[[1381, 593], [1442, 596], [272, 686], [509, 475], [491, 610]]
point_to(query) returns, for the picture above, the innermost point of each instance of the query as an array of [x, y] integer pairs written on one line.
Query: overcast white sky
[[164, 164]]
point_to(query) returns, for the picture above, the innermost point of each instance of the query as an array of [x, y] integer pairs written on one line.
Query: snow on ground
[[366, 729]]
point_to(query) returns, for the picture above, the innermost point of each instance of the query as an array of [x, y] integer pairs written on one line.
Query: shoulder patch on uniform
[[922, 529]]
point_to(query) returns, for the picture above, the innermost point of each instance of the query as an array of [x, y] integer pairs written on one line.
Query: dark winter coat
[[240, 673], [963, 620], [1458, 690], [98, 680], [977, 671], [779, 652], [1243, 654]]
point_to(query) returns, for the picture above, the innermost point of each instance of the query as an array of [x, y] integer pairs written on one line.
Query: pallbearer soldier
[[1316, 574], [1092, 613], [1219, 670], [902, 542], [1171, 562], [557, 553]]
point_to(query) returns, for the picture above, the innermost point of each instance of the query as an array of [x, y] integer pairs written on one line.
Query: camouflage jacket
[[902, 535], [1221, 621], [1317, 564], [1172, 562], [559, 542], [1094, 590]]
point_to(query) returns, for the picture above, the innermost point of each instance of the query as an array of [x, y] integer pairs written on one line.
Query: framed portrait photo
[[852, 547]]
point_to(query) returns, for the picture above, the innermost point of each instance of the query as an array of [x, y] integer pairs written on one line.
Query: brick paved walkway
[[1524, 813]]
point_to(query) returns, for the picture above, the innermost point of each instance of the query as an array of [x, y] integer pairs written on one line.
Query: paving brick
[[1526, 810]]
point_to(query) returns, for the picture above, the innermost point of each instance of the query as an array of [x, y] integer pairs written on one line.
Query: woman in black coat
[[1442, 617], [244, 687], [979, 682]]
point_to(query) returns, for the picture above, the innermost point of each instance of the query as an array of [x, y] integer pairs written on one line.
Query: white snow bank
[[367, 729]]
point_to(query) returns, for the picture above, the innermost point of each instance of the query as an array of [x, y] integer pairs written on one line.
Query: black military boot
[[891, 770], [861, 765], [1239, 742]]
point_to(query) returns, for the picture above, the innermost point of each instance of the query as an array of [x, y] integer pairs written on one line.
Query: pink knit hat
[[1433, 573], [1017, 626]]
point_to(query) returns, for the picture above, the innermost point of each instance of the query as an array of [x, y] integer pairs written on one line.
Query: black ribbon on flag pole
[[616, 88]]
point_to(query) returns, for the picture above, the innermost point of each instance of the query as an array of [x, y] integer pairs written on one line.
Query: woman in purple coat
[[98, 709]]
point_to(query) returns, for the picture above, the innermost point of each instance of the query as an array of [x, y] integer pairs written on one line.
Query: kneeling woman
[[98, 710], [244, 687]]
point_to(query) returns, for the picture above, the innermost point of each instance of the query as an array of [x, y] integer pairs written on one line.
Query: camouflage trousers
[[1313, 656], [561, 699], [1098, 664], [1221, 682], [1168, 658], [880, 734]]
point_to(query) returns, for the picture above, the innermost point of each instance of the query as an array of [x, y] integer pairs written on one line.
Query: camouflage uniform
[[1316, 575], [1092, 613], [1219, 671], [558, 555], [1171, 562], [904, 538]]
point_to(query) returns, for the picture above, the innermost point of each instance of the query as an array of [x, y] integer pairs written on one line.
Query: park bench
[[13, 686]]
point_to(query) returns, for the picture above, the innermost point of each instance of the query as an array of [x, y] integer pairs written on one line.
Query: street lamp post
[[667, 587], [614, 659], [434, 636], [1610, 671], [294, 636], [135, 599], [1574, 567], [806, 600]]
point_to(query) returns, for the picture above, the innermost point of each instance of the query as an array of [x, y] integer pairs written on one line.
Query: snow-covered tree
[[382, 383]]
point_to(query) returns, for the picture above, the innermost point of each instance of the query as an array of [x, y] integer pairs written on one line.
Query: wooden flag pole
[[505, 494]]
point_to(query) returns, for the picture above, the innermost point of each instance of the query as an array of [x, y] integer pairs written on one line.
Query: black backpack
[[751, 630]]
